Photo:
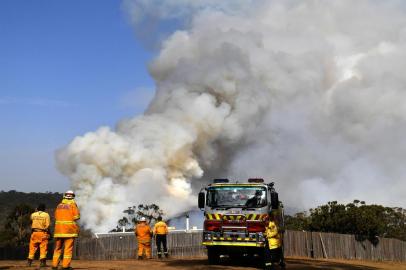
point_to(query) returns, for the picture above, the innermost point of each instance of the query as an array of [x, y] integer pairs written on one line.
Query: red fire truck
[[236, 215]]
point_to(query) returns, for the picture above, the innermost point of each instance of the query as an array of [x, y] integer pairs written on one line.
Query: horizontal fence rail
[[117, 246]]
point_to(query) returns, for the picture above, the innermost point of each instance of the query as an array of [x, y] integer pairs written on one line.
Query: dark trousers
[[161, 240], [273, 256]]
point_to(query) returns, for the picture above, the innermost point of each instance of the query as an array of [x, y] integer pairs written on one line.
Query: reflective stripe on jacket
[[143, 232], [160, 228], [272, 235], [66, 214], [40, 221]]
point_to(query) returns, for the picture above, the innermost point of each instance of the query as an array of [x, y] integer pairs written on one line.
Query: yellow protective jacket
[[143, 232], [160, 228], [66, 214], [40, 221], [272, 234]]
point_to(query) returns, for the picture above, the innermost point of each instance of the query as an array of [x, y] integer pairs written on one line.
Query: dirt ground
[[201, 263]]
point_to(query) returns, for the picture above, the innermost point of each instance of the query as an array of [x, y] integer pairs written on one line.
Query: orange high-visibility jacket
[[40, 221], [66, 214], [143, 232], [160, 228]]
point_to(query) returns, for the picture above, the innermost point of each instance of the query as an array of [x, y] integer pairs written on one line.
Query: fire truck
[[236, 215]]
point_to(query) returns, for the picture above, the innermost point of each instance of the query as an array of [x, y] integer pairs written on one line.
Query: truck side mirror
[[201, 200], [274, 200]]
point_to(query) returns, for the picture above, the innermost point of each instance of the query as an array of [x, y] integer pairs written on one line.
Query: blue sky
[[66, 67]]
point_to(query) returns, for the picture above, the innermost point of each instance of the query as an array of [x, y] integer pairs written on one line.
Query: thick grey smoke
[[310, 94]]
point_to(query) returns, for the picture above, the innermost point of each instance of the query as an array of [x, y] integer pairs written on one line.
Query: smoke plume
[[309, 94]]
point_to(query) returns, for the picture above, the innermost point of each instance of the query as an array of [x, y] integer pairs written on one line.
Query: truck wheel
[[213, 255]]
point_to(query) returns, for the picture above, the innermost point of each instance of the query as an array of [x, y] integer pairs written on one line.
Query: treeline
[[9, 199], [357, 218], [15, 211]]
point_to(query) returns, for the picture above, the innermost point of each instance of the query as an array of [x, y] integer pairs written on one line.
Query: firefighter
[[40, 235], [273, 251], [66, 230], [257, 200], [144, 234], [160, 232]]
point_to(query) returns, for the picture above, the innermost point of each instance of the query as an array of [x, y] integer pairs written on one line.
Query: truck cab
[[236, 215]]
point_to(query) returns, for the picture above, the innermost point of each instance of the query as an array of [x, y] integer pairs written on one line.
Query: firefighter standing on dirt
[[160, 231], [144, 234], [66, 230], [40, 235], [273, 252]]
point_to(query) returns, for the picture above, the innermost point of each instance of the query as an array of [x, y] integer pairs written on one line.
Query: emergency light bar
[[224, 180], [255, 180]]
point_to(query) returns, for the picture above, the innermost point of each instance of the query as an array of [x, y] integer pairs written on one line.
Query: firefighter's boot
[[43, 263], [29, 262], [269, 266]]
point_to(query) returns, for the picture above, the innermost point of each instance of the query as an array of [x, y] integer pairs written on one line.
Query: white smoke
[[310, 94]]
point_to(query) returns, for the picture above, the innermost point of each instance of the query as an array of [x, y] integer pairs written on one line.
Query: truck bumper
[[237, 239], [232, 243]]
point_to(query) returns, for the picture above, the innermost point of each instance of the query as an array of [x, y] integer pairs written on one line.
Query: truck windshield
[[237, 196]]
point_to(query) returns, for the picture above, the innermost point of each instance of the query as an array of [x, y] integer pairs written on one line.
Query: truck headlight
[[261, 237], [207, 236]]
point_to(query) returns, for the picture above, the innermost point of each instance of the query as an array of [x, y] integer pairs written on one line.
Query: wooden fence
[[180, 244], [342, 246], [302, 244]]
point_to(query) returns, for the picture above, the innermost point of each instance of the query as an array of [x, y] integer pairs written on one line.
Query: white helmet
[[69, 194], [142, 219]]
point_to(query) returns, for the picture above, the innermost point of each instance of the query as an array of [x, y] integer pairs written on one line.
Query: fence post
[[323, 247]]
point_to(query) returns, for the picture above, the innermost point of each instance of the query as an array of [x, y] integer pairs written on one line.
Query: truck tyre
[[213, 255]]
